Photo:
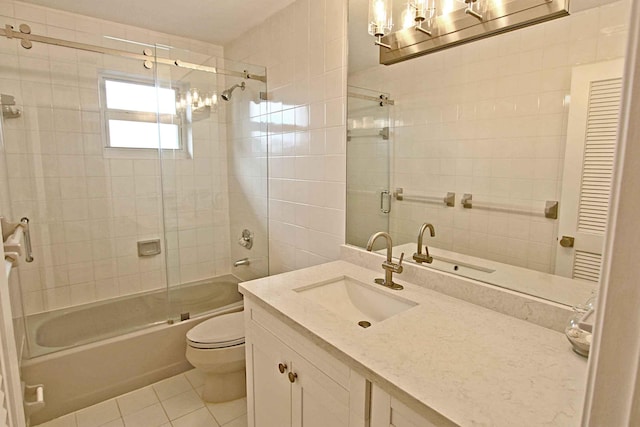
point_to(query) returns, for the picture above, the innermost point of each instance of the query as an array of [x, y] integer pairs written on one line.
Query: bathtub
[[82, 356]]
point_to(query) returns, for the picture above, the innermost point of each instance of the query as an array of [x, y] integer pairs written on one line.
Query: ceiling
[[214, 21]]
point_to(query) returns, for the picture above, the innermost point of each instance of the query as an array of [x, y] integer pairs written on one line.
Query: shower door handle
[[384, 194]]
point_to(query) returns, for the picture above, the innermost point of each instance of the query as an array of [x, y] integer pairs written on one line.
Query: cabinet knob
[[282, 367], [292, 377]]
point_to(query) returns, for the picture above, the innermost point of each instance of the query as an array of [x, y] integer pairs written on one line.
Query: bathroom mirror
[[500, 123]]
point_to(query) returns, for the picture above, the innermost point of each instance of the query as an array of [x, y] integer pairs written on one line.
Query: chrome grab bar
[[550, 208], [24, 221], [449, 200]]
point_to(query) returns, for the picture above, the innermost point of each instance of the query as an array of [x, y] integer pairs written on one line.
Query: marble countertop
[[472, 365]]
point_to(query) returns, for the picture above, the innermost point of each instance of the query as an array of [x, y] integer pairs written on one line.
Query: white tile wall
[[304, 50], [489, 118], [87, 210]]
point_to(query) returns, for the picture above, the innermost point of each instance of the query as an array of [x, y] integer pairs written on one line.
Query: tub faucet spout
[[389, 266], [243, 261], [419, 257]]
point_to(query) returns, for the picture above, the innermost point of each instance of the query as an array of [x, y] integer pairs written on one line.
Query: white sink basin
[[355, 301]]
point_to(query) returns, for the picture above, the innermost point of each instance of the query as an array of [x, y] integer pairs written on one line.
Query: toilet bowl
[[216, 348]]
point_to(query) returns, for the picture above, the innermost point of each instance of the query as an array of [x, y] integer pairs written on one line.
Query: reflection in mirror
[[501, 120]]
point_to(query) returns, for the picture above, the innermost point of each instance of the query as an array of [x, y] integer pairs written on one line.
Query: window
[[132, 109]]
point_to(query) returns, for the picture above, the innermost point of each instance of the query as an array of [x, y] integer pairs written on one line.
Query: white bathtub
[[86, 374]]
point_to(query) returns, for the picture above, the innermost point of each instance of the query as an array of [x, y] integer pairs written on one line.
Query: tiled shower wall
[[248, 184], [304, 49], [490, 118], [88, 210]]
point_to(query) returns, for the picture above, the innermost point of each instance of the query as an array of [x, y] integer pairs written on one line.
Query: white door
[[592, 133]]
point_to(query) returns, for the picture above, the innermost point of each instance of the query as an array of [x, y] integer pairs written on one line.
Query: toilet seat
[[218, 332]]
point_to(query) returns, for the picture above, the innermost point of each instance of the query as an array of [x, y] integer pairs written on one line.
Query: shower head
[[226, 95]]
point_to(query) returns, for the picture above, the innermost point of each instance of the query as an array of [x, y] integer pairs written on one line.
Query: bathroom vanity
[[327, 346]]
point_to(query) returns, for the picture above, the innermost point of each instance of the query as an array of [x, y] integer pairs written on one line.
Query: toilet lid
[[218, 332]]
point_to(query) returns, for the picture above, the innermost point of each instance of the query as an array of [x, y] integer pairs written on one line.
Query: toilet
[[216, 348]]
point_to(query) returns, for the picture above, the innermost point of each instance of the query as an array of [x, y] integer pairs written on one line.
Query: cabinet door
[[317, 400], [269, 390], [387, 411]]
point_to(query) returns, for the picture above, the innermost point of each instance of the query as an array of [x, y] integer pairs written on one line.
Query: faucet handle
[[397, 268]]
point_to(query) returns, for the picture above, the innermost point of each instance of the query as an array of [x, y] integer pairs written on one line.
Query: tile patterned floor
[[174, 402]]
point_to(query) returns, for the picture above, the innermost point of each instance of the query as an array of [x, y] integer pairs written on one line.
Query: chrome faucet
[[389, 266], [419, 257]]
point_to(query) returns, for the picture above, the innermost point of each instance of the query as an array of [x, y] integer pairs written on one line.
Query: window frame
[[184, 149]]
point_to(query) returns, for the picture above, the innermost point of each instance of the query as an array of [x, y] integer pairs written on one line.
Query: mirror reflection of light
[[407, 17], [498, 7], [447, 7]]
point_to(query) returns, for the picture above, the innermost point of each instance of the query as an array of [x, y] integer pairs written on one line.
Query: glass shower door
[[213, 181], [81, 168], [369, 135]]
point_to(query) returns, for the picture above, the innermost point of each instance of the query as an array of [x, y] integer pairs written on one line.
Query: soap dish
[[580, 340]]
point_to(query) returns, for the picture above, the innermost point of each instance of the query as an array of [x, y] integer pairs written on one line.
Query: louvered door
[[588, 169]]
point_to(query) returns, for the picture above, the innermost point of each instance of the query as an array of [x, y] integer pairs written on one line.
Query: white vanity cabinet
[[387, 411], [293, 382]]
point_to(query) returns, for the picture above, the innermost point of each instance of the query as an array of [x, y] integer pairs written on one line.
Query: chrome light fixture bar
[[480, 19]]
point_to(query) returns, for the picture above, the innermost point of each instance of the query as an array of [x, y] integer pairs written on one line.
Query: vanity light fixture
[[419, 12], [380, 20], [426, 29]]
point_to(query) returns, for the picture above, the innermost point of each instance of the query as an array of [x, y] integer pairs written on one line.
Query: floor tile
[[238, 422], [199, 418], [195, 377], [176, 398], [227, 411], [99, 414], [152, 416], [114, 423], [182, 404], [137, 400], [172, 386]]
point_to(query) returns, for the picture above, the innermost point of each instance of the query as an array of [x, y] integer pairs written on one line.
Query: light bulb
[[408, 17], [380, 17]]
